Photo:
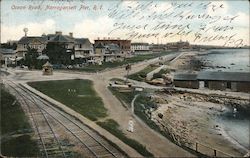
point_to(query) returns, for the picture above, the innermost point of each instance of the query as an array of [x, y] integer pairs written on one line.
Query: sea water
[[228, 60], [236, 124]]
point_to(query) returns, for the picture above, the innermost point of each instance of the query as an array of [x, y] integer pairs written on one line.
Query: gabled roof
[[47, 64], [100, 45], [29, 39], [82, 41], [112, 46], [61, 39]]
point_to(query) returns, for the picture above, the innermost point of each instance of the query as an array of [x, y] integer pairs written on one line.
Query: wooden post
[[196, 146], [215, 153]]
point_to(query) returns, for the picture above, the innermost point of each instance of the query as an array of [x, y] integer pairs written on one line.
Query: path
[[154, 142]]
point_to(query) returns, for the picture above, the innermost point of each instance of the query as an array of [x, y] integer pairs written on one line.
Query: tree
[[57, 54], [31, 58]]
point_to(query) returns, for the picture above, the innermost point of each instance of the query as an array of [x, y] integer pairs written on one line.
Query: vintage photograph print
[[124, 78]]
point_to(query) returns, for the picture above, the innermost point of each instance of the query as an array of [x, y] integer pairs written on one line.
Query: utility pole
[[127, 68]]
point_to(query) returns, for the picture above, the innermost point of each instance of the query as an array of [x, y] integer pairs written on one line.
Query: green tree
[[58, 54], [31, 58]]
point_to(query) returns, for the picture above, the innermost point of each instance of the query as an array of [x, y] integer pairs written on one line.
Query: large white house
[[140, 48], [82, 47]]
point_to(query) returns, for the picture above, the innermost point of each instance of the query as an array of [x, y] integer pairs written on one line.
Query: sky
[[130, 20]]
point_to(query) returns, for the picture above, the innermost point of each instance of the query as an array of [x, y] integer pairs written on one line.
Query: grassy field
[[78, 95], [138, 58], [160, 73], [141, 75], [16, 132], [113, 127]]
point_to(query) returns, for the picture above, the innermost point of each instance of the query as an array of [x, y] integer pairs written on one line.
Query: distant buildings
[[105, 50], [180, 45], [140, 48], [157, 47], [125, 45]]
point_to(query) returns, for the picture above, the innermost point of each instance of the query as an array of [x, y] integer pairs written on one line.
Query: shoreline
[[196, 120], [237, 144], [212, 131]]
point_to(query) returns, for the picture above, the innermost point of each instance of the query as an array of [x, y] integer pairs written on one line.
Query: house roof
[[185, 77], [214, 76], [112, 46], [61, 39], [82, 41], [29, 39], [47, 64], [100, 45], [224, 76], [137, 43], [7, 51]]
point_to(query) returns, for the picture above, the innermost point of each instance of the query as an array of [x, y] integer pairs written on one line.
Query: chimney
[[58, 32], [71, 34]]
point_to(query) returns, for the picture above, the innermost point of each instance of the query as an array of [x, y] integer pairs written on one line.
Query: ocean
[[228, 60], [235, 124]]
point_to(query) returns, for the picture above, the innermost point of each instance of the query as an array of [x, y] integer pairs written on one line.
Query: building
[[8, 56], [125, 45], [82, 47], [47, 69], [180, 45], [232, 81], [186, 81], [140, 48], [33, 42], [113, 53], [108, 53], [157, 47]]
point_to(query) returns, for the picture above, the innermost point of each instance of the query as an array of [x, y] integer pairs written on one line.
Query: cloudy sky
[[228, 21]]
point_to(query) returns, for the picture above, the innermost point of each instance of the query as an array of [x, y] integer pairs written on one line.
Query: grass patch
[[20, 146], [160, 73], [15, 129], [113, 127], [78, 95], [137, 58], [126, 97], [141, 75]]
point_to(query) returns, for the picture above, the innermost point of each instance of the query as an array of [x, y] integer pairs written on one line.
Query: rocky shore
[[193, 118]]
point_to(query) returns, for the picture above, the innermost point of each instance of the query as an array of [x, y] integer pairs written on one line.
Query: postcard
[[126, 78]]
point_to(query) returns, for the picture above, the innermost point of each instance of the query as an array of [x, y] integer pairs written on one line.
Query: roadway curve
[[154, 142]]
